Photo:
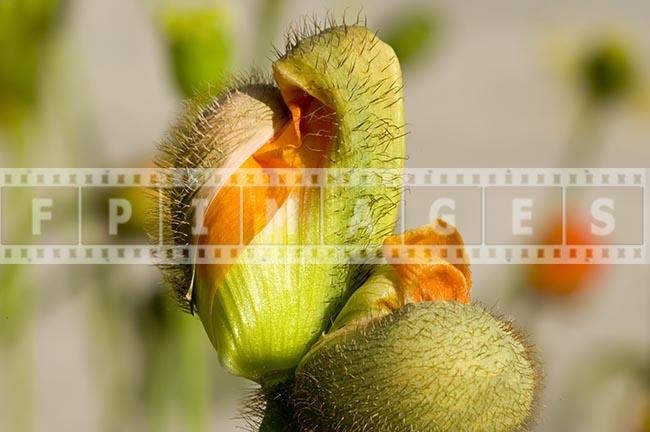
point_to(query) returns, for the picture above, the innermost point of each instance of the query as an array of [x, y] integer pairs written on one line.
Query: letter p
[[119, 212]]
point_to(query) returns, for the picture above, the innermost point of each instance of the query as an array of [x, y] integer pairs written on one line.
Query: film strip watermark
[[506, 216]]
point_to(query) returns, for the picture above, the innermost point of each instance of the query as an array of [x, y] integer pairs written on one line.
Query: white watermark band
[[89, 215]]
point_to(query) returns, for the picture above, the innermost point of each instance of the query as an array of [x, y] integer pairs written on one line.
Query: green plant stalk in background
[[26, 29], [269, 14], [172, 341], [199, 42], [16, 310], [413, 33], [605, 76]]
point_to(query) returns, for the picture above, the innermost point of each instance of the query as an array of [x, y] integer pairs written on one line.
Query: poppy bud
[[338, 105], [607, 70], [408, 353], [430, 366]]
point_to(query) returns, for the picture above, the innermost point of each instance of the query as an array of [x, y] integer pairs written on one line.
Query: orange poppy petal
[[302, 142], [429, 282], [428, 278]]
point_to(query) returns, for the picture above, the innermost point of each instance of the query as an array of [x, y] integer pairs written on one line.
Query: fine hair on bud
[[211, 131], [336, 103], [431, 366]]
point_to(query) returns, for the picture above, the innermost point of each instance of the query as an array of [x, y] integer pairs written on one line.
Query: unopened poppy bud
[[607, 70], [430, 366], [338, 105]]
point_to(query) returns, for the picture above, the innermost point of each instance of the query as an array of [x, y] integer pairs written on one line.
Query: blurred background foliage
[[26, 28], [111, 335], [414, 34], [199, 43], [607, 70]]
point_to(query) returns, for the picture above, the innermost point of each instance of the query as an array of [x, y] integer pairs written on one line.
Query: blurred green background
[[95, 83]]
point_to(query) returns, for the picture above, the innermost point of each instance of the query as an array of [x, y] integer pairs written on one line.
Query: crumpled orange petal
[[429, 277], [302, 142]]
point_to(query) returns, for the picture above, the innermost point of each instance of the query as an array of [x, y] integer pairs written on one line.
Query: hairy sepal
[[431, 366], [217, 129]]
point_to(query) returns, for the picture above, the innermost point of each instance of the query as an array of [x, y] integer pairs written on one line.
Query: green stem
[[269, 16], [107, 311], [16, 310], [584, 147], [195, 371], [586, 141], [278, 416]]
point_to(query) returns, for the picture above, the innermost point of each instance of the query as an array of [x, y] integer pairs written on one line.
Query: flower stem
[[278, 416]]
